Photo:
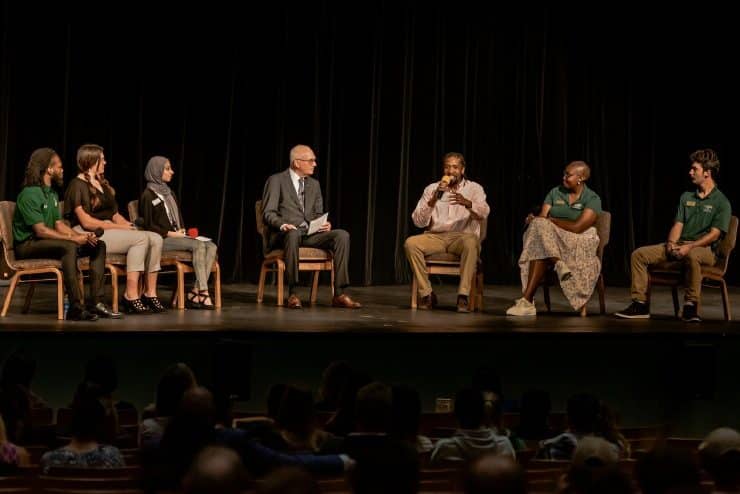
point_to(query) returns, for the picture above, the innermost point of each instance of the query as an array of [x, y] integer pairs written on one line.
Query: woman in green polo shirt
[[563, 236]]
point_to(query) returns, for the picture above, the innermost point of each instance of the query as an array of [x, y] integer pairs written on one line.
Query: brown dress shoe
[[294, 302], [462, 303], [343, 300], [429, 302]]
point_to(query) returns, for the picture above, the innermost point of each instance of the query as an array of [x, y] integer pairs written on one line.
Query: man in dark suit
[[290, 201]]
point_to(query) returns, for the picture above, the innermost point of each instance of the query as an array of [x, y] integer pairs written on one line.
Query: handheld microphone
[[99, 232], [446, 181], [139, 223]]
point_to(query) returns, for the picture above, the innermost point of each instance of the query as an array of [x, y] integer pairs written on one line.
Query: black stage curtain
[[380, 91]]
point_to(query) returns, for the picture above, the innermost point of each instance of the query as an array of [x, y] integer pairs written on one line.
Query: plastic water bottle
[[66, 305]]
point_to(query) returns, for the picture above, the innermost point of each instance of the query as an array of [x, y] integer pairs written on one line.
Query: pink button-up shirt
[[446, 217]]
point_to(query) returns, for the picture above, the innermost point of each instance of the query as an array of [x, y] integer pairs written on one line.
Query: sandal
[[193, 300], [204, 297], [134, 306], [154, 304]]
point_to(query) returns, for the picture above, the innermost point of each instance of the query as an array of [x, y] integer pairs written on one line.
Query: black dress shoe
[[134, 306], [153, 303], [103, 310], [79, 313]]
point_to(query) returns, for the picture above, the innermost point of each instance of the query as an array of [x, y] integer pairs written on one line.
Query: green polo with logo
[[561, 207], [700, 215], [35, 204]]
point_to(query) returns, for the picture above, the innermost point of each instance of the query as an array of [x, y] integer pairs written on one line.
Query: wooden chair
[[671, 274], [309, 259], [182, 260], [603, 230], [445, 263], [26, 267]]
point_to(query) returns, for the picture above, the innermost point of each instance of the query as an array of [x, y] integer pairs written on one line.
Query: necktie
[[302, 192]]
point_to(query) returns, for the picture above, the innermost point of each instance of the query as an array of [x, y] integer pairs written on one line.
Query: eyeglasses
[[312, 160]]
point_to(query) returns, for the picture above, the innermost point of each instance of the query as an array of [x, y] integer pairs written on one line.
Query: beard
[[57, 180]]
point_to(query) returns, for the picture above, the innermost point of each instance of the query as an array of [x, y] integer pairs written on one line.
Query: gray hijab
[[153, 176]]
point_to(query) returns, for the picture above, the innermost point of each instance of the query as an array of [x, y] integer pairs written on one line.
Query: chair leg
[[261, 284], [726, 301], [180, 286], [280, 282], [584, 311], [60, 295], [315, 287], [602, 295], [479, 281], [473, 295], [414, 292], [29, 296], [9, 293], [546, 294], [114, 287], [674, 294], [332, 279], [217, 284]]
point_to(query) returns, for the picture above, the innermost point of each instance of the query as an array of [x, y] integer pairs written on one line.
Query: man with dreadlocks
[[39, 232]]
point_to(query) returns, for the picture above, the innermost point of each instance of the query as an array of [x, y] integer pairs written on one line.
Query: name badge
[[577, 205], [691, 203], [708, 208], [156, 201], [559, 202], [46, 206]]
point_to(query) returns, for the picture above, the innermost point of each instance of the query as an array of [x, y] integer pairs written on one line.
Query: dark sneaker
[[462, 303], [636, 310], [79, 313], [103, 310], [429, 302], [690, 314]]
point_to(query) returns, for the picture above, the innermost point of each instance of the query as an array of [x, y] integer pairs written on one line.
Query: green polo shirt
[[700, 215], [34, 205], [561, 208]]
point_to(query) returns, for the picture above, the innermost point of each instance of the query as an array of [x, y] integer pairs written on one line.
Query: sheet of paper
[[317, 223], [202, 239]]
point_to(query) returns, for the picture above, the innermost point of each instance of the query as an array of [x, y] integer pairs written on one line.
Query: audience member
[[720, 456], [216, 470], [495, 474], [407, 418]]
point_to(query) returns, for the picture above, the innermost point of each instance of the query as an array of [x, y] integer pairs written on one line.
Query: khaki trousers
[[653, 254], [465, 245]]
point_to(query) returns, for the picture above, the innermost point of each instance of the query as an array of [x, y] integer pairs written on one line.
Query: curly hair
[[38, 163], [708, 160]]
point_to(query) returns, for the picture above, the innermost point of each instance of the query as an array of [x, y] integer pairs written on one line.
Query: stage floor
[[386, 311]]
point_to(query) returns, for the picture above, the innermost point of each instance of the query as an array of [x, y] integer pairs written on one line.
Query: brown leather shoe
[[429, 302], [345, 301], [294, 302], [462, 303]]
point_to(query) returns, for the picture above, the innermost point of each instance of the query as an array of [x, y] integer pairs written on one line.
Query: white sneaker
[[522, 307], [563, 271]]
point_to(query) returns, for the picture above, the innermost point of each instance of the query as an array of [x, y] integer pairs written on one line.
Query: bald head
[[302, 160], [216, 470], [500, 474], [299, 151]]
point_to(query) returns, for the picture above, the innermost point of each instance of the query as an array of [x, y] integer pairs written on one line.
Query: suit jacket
[[280, 203]]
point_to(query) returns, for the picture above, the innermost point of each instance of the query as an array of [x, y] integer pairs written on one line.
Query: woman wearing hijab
[[160, 213]]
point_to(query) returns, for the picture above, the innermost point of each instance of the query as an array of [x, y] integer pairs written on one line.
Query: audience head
[[175, 381], [3, 432], [88, 420], [274, 399], [593, 459], [406, 412], [38, 165], [469, 408], [216, 470], [333, 381], [583, 413], [720, 456], [492, 473], [288, 480], [296, 413], [487, 380], [664, 471], [373, 409], [708, 160]]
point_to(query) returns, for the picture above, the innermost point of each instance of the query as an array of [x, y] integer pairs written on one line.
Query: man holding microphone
[[451, 211]]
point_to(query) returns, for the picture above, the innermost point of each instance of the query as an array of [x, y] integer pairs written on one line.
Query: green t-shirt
[[34, 205], [558, 199], [700, 215]]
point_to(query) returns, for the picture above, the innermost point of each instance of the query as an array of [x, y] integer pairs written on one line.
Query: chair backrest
[[603, 230], [483, 229], [7, 208], [133, 210], [261, 227], [726, 246]]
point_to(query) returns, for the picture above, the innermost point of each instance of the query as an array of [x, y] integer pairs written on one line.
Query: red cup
[[192, 232]]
